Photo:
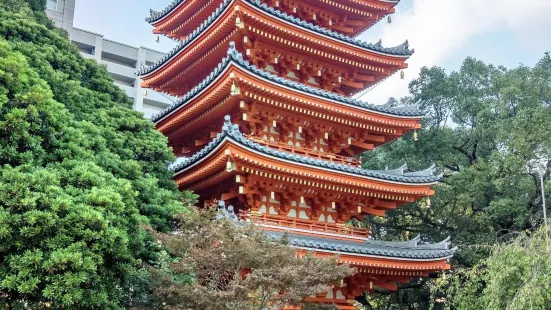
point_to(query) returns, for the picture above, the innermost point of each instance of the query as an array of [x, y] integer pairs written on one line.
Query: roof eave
[[229, 133], [270, 78], [377, 256], [286, 19]]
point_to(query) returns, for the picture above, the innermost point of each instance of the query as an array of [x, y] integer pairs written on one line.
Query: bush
[[79, 173]]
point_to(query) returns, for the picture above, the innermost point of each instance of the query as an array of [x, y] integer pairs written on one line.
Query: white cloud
[[437, 29]]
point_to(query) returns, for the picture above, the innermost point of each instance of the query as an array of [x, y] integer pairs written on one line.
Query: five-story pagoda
[[267, 124]]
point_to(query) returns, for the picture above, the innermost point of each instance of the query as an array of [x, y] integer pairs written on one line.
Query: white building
[[122, 61]]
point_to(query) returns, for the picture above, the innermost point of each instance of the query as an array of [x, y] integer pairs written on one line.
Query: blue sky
[[443, 32]]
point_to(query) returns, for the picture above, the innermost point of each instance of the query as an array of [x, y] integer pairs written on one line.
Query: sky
[[442, 32]]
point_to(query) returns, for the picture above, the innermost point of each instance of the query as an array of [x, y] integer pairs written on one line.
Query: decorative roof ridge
[[232, 131], [404, 170], [430, 170], [233, 54], [156, 15], [372, 247], [442, 244], [400, 50], [415, 243], [192, 36], [399, 111], [398, 171], [194, 91]]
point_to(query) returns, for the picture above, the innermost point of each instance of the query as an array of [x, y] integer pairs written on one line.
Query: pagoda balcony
[[308, 152], [299, 226]]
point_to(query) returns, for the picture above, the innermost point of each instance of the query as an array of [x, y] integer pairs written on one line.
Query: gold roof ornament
[[415, 136], [402, 74], [230, 166], [389, 19], [239, 23], [235, 90]]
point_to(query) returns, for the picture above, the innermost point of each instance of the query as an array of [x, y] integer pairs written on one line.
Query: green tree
[[516, 276], [485, 126], [237, 267], [79, 173]]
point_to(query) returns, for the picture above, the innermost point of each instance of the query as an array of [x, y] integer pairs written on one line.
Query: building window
[[52, 5]]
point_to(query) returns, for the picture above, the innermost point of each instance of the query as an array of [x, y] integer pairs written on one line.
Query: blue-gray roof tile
[[411, 250], [400, 50], [232, 132], [235, 57]]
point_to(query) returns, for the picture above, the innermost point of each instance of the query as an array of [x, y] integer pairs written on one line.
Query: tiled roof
[[230, 131], [411, 249], [155, 15], [391, 249], [235, 57], [192, 36], [400, 50]]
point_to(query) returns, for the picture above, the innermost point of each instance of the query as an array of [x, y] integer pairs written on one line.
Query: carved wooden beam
[[202, 142], [385, 204], [189, 149], [232, 194], [375, 138], [376, 212], [342, 28], [352, 84], [365, 146], [386, 285], [364, 78]]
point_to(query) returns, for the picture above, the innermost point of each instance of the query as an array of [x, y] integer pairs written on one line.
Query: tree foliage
[[237, 267], [516, 276], [79, 172], [485, 127]]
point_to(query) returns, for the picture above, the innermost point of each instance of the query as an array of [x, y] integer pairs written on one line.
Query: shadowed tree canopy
[[79, 171], [486, 127]]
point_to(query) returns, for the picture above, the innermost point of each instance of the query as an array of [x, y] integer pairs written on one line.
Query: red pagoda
[[266, 122]]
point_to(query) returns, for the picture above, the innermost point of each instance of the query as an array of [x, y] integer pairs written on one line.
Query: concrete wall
[[63, 14], [122, 61]]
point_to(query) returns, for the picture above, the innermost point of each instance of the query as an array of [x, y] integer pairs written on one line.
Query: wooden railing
[[314, 226], [309, 152]]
